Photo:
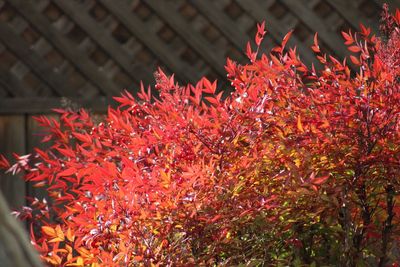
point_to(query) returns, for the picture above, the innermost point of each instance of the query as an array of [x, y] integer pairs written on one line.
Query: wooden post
[[15, 248], [12, 136]]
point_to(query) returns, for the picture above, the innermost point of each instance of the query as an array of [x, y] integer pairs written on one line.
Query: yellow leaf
[[156, 232], [55, 260], [69, 249], [113, 228], [228, 235], [69, 235], [166, 179], [59, 233], [297, 162], [79, 262], [56, 239], [84, 253]]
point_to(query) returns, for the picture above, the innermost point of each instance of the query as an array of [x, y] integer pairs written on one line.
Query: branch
[[387, 228]]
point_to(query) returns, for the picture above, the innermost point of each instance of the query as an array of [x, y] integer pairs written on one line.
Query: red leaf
[[397, 16], [215, 218], [260, 33], [261, 28], [319, 180], [66, 152], [67, 172], [212, 100], [355, 60], [348, 38], [365, 31], [4, 164], [286, 39], [85, 138], [58, 110], [249, 53], [209, 87], [315, 47], [258, 39]]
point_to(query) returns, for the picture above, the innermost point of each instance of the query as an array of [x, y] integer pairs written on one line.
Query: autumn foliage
[[297, 166]]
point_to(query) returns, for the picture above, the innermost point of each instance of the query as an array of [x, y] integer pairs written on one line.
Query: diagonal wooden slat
[[318, 25], [193, 38], [77, 13], [3, 91], [37, 105], [12, 84], [39, 66], [150, 40], [222, 21], [353, 15], [273, 26], [79, 59]]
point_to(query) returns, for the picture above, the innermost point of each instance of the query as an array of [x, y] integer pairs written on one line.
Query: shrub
[[296, 166]]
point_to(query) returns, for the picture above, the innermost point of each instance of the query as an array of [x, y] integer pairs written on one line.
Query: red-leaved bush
[[295, 167]]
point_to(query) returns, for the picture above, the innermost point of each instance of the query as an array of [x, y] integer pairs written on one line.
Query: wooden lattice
[[89, 50]]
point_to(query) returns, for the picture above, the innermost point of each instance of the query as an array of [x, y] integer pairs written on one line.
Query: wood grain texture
[[38, 105], [12, 139]]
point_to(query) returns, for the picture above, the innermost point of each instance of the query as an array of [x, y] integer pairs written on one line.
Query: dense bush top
[[295, 167]]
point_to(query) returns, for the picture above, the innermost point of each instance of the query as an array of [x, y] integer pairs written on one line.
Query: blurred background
[[80, 53]]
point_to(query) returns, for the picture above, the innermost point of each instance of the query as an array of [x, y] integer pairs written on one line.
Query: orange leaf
[[49, 231], [166, 179], [299, 124], [54, 259], [354, 48], [59, 232], [84, 253], [69, 235], [56, 233]]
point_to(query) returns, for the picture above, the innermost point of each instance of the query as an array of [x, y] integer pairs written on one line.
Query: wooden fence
[[55, 52]]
